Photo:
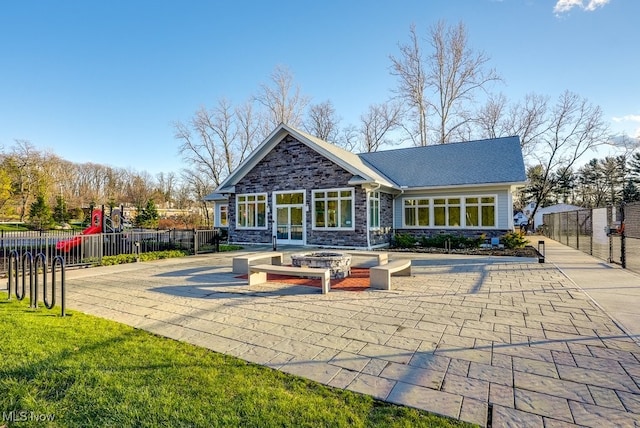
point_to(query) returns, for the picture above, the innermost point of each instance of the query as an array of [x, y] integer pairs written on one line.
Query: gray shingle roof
[[497, 160]]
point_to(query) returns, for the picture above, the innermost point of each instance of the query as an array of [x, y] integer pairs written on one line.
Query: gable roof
[[491, 161], [497, 160], [362, 173]]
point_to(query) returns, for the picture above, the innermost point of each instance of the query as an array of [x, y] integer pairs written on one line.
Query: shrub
[[514, 240], [457, 241], [144, 257], [404, 240]]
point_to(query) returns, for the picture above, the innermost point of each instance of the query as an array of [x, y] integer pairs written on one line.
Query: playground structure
[[100, 223]]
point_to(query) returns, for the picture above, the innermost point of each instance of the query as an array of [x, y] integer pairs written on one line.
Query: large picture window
[[333, 209], [251, 211], [450, 212]]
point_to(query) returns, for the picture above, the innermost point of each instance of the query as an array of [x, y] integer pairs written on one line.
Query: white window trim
[[430, 206], [353, 209], [463, 217], [266, 211], [224, 208], [480, 205], [284, 192], [370, 198]]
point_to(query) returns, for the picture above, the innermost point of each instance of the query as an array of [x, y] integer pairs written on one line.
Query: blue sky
[[103, 81]]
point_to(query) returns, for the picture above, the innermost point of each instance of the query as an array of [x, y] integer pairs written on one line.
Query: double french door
[[289, 219]]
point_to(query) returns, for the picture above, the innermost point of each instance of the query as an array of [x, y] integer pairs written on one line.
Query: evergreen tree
[[40, 214], [630, 193], [148, 216], [634, 168], [60, 213]]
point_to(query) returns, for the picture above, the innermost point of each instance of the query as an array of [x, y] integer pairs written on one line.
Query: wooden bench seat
[[380, 276], [241, 263], [258, 274], [383, 258]]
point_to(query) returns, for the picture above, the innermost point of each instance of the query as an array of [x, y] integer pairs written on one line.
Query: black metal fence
[[611, 234], [90, 249]]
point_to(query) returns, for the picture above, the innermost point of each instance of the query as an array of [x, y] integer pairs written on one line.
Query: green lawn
[[13, 227], [85, 371]]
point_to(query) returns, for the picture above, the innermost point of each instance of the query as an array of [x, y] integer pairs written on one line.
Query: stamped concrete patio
[[480, 339]]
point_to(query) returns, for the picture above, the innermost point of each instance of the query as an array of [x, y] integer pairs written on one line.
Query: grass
[[13, 227], [89, 372]]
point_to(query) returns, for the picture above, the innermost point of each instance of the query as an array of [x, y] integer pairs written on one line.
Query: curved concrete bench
[[383, 258], [380, 276], [258, 274], [241, 263]]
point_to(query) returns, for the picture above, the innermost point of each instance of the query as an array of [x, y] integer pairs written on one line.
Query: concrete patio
[[508, 340]]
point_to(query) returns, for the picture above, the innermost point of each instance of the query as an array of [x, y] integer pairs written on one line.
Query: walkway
[[474, 338]]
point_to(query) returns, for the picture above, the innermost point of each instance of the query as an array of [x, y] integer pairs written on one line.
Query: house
[[520, 219], [298, 189], [557, 208]]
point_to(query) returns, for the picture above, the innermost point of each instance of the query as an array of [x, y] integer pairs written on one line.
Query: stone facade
[[467, 233], [292, 166]]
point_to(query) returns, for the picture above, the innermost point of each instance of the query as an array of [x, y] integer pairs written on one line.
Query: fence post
[[577, 230], [623, 241], [591, 232], [195, 241]]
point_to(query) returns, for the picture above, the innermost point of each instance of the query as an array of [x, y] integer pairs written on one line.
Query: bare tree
[[199, 187], [201, 151], [574, 127], [377, 123], [140, 189], [282, 99], [456, 73], [322, 121], [528, 119], [25, 168], [409, 68], [248, 126]]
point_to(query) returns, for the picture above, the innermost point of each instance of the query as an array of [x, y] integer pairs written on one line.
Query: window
[[488, 207], [224, 209], [251, 211], [333, 209], [416, 212], [446, 212], [374, 210], [473, 211]]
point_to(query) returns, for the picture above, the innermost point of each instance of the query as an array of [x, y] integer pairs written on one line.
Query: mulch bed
[[527, 251]]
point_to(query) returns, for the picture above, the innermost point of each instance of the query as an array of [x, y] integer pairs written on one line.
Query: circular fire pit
[[339, 263]]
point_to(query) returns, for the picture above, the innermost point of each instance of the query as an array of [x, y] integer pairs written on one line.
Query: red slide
[[96, 227]]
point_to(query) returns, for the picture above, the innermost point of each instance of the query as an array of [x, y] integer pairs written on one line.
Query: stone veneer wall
[[292, 165], [469, 233]]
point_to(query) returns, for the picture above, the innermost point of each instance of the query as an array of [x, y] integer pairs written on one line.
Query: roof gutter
[[501, 184]]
